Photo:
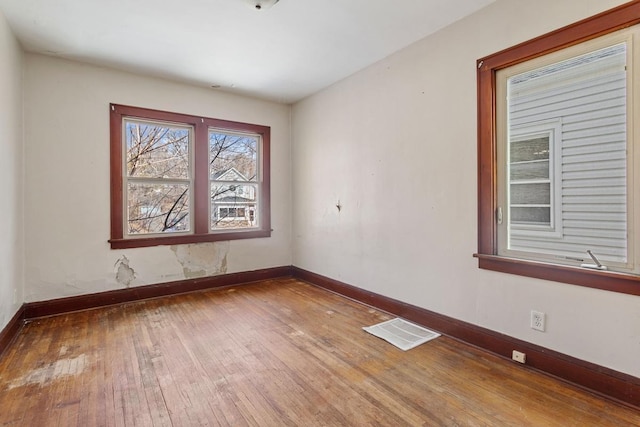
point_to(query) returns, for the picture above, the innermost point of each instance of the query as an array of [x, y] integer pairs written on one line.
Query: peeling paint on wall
[[202, 259], [124, 274]]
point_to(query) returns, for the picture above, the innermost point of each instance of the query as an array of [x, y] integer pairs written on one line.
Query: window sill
[[186, 239], [606, 280]]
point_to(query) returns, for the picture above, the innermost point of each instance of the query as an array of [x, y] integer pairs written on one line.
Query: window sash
[[559, 246], [129, 179]]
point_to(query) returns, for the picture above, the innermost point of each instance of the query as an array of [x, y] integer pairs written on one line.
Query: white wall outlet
[[537, 320], [518, 356]]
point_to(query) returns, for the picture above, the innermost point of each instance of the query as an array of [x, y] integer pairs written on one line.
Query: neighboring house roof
[[233, 195], [231, 174]]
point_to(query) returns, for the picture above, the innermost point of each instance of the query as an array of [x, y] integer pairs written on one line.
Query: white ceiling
[[283, 53]]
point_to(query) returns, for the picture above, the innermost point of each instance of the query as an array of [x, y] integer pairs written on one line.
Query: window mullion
[[201, 178]]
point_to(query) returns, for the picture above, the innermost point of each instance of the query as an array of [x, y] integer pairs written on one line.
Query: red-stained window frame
[[200, 125], [606, 22]]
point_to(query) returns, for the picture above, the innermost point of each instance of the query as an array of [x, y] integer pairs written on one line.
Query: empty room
[[320, 213]]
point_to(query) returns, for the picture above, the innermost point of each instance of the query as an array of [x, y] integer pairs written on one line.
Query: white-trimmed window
[[231, 213], [533, 165]]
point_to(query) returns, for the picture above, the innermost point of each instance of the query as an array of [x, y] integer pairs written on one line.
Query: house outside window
[[160, 162], [232, 202]]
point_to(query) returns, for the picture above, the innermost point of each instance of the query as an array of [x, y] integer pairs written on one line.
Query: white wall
[[395, 144], [11, 176], [67, 181]]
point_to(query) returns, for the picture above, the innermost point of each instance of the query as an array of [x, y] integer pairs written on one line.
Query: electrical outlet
[[537, 320], [518, 356]]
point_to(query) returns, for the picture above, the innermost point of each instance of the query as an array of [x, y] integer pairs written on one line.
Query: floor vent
[[401, 333]]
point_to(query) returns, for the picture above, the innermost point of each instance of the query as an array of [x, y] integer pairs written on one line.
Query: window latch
[[597, 266], [499, 215]]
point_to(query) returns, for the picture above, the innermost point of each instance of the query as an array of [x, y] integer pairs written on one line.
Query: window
[[180, 179], [230, 214], [556, 136], [530, 192]]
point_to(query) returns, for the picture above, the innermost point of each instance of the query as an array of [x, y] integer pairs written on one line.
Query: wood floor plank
[[275, 353]]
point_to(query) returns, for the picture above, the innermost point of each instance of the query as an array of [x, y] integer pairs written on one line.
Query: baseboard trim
[[54, 307], [9, 332], [606, 382], [612, 384]]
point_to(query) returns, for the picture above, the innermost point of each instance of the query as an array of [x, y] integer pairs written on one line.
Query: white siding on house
[[592, 113]]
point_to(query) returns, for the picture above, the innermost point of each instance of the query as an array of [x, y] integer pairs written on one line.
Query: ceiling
[[281, 53]]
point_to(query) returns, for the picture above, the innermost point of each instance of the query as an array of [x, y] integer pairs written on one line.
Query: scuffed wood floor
[[276, 353]]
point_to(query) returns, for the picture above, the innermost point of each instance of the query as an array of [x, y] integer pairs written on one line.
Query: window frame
[[551, 130], [127, 180], [201, 229], [604, 23]]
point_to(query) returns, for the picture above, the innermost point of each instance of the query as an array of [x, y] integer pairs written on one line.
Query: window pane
[[530, 194], [537, 215], [233, 157], [158, 208], [530, 149], [564, 121], [233, 206], [530, 170], [157, 151]]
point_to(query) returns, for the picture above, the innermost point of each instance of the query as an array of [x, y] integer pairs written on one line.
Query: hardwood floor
[[276, 353]]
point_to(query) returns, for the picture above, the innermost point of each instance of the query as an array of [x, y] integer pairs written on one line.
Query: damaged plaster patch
[[202, 259], [52, 372], [124, 274]]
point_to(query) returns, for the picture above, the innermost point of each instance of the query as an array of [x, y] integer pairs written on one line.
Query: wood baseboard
[[612, 384], [9, 332], [102, 299], [33, 310]]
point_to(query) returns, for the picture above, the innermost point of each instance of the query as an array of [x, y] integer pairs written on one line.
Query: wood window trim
[[606, 22], [201, 232]]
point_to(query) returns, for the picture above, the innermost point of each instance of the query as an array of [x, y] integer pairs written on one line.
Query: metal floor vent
[[401, 333]]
